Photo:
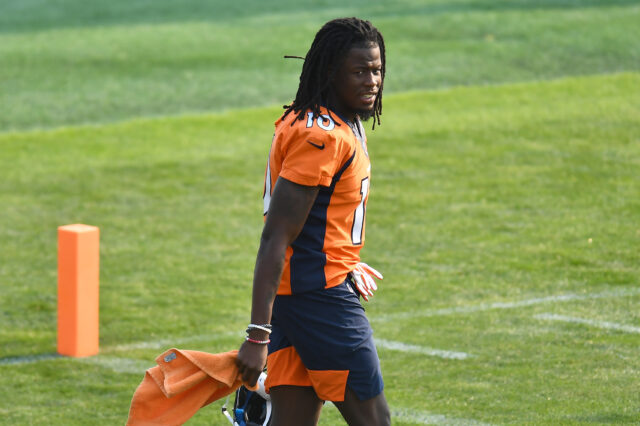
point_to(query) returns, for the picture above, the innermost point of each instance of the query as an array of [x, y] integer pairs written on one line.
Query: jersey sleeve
[[313, 158]]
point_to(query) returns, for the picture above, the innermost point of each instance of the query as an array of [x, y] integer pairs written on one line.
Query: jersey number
[[323, 121], [358, 216]]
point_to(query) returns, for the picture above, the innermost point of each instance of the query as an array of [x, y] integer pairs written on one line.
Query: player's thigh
[[295, 406], [370, 412]]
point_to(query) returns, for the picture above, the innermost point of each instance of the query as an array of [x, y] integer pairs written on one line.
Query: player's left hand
[[362, 277]]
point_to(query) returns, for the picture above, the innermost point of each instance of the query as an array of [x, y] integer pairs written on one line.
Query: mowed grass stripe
[[479, 196], [88, 63]]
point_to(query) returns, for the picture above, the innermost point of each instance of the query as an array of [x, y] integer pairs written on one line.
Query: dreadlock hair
[[326, 54]]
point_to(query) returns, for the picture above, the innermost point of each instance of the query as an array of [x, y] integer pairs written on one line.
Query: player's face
[[357, 82]]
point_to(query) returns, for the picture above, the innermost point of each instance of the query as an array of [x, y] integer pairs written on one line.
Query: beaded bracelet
[[263, 327], [258, 342]]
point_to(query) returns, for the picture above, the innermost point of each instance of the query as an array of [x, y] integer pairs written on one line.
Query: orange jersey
[[328, 153]]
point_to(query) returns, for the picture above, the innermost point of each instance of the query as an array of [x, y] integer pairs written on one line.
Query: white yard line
[[404, 347], [167, 343], [118, 365], [162, 344], [28, 359], [506, 305], [426, 418], [594, 323]]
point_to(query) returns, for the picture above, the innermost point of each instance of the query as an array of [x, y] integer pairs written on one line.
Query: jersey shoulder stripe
[[308, 260]]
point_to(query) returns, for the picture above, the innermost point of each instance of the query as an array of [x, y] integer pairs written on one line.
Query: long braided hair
[[327, 52]]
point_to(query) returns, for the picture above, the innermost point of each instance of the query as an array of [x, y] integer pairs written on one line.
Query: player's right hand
[[251, 360]]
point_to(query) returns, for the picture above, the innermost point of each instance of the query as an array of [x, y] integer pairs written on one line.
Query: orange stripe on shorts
[[284, 367]]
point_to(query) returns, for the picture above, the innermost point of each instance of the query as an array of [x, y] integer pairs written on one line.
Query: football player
[[307, 322]]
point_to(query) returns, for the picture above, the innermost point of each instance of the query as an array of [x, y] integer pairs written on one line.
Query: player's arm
[[288, 210]]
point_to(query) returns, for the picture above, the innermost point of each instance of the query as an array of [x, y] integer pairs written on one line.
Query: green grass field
[[504, 212]]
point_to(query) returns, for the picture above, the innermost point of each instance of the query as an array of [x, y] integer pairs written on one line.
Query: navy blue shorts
[[323, 339]]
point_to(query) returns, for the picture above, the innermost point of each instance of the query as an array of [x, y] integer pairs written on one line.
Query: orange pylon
[[78, 290]]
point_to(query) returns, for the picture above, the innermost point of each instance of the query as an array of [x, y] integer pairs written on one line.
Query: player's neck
[[345, 114]]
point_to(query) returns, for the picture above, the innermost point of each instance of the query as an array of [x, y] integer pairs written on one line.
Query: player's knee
[[374, 412], [384, 416], [381, 416], [381, 412]]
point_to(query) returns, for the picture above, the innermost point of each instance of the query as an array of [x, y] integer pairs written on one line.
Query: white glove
[[361, 277]]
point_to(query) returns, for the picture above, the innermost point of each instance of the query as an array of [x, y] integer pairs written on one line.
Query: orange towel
[[182, 383]]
